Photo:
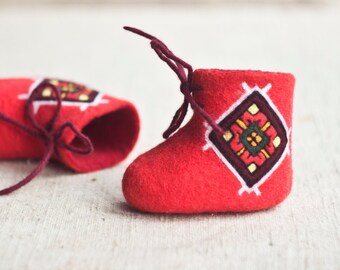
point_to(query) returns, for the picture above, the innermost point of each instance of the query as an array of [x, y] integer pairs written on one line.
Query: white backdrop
[[181, 2]]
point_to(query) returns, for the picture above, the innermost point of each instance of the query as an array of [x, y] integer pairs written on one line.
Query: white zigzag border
[[248, 90]]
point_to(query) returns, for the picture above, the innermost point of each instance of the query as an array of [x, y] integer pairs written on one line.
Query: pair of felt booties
[[232, 156]]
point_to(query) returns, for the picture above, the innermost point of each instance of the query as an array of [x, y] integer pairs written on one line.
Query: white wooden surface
[[68, 221]]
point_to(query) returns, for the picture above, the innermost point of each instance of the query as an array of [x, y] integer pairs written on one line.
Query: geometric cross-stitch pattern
[[255, 139], [69, 92], [72, 94]]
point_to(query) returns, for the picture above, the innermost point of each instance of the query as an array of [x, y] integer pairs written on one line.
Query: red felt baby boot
[[49, 118], [234, 153]]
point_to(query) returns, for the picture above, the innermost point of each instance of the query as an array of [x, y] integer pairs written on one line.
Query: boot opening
[[113, 136]]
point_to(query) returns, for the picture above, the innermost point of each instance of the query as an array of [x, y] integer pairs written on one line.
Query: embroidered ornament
[[72, 94], [66, 121], [234, 153], [255, 138]]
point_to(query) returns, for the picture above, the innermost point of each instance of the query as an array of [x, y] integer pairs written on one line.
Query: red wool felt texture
[[178, 176], [112, 127]]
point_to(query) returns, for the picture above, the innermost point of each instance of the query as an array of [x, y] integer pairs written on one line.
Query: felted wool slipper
[[234, 153], [49, 118]]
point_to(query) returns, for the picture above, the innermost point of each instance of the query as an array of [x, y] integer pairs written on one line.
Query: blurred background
[[96, 2]]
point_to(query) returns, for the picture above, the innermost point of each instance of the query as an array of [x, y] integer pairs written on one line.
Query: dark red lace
[[184, 73], [49, 134]]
